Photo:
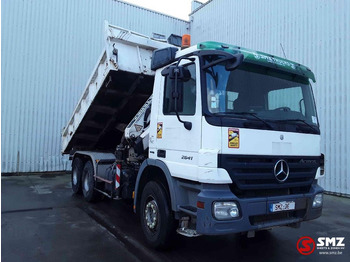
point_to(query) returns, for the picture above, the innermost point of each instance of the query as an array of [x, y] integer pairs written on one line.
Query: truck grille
[[254, 175]]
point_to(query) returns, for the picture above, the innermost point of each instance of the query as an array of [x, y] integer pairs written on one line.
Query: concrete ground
[[43, 221]]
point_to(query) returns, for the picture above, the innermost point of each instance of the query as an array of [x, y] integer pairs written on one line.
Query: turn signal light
[[200, 204]]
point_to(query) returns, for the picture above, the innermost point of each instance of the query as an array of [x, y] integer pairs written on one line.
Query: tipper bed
[[115, 92]]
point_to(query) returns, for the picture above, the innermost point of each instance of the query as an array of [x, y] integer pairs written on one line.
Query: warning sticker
[[233, 138], [159, 130]]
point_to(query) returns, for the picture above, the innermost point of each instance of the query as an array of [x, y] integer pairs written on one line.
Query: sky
[[176, 8]]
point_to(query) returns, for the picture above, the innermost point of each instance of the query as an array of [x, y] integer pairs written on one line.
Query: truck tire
[[157, 220], [77, 171], [88, 182]]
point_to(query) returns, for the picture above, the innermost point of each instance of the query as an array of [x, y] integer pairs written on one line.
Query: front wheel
[[157, 220]]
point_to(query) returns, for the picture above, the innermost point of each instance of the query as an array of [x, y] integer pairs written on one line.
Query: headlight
[[318, 201], [225, 210]]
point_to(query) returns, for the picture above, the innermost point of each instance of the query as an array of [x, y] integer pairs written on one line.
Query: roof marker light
[[186, 41]]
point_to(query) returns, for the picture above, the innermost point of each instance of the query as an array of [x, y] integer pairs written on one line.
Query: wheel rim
[[151, 214], [75, 176], [86, 183]]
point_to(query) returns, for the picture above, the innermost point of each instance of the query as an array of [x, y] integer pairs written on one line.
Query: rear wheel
[[157, 221], [77, 171], [88, 182]]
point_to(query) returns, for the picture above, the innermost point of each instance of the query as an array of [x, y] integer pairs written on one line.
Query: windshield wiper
[[250, 114], [298, 120]]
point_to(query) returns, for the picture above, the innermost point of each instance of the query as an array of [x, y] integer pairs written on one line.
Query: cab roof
[[260, 58]]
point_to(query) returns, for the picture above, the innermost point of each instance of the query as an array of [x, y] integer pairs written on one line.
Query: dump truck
[[207, 139]]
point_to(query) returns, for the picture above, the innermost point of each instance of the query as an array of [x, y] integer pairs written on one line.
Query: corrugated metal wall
[[48, 52], [314, 33], [49, 49]]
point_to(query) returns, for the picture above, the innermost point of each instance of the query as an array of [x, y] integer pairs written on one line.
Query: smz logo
[[306, 245], [331, 241]]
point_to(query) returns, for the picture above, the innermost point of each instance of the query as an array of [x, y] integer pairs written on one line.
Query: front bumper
[[254, 212]]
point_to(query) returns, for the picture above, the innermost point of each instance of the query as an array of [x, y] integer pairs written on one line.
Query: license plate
[[282, 206]]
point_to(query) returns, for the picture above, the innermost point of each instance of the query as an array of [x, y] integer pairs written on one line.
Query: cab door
[[177, 146]]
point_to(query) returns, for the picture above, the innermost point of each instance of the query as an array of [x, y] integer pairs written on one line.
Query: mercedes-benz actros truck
[[207, 139]]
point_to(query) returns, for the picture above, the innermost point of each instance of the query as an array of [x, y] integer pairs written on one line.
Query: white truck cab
[[212, 139]]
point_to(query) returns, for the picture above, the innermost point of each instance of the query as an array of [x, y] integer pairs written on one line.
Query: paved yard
[[43, 221]]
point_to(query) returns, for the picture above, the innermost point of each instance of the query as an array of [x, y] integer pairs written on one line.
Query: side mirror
[[177, 95], [234, 62], [178, 75], [183, 73]]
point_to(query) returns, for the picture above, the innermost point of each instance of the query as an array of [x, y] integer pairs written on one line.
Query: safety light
[[186, 41]]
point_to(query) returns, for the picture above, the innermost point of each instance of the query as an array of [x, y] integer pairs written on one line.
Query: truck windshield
[[260, 94]]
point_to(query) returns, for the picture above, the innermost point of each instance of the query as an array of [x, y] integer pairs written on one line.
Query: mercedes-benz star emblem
[[281, 170]]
